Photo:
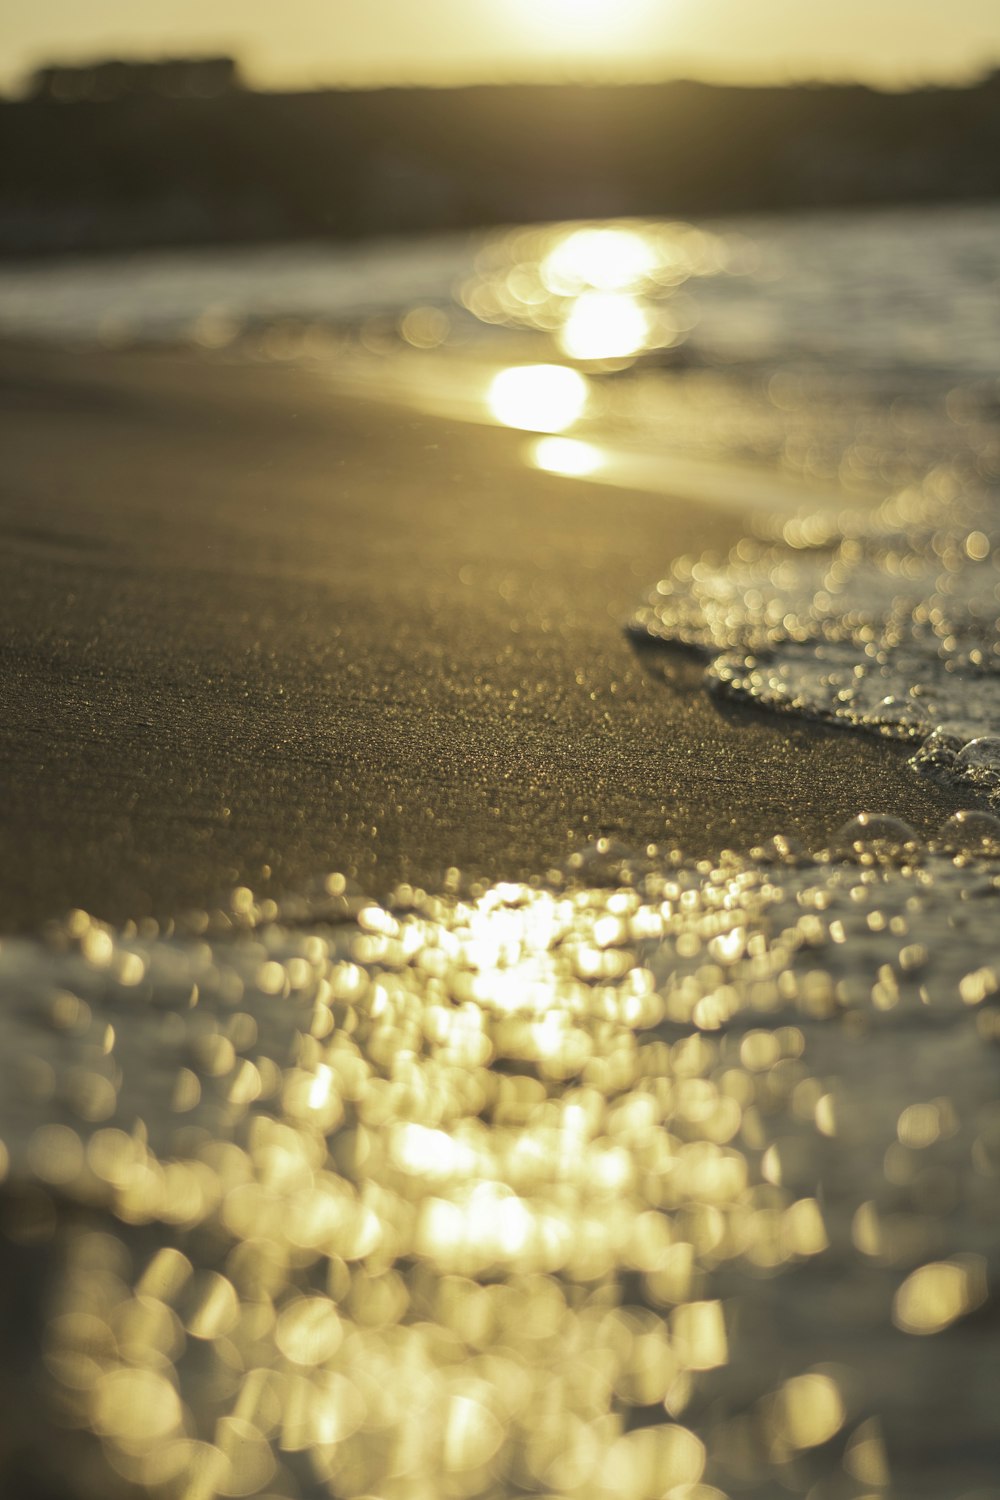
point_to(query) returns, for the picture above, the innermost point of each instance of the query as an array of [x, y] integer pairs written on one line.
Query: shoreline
[[257, 630]]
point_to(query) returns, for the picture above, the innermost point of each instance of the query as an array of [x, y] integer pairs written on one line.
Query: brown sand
[[253, 632]]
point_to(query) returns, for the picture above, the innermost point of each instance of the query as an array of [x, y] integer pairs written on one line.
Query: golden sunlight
[[567, 456], [573, 24], [591, 22], [600, 258], [605, 325], [538, 398]]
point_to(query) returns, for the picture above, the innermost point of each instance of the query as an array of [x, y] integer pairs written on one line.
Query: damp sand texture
[[254, 632]]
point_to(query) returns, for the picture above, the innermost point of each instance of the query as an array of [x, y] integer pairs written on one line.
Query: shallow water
[[892, 632], [665, 1179], [866, 291], [660, 1179], [855, 352]]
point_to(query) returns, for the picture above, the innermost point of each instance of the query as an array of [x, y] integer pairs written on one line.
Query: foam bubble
[[879, 834], [972, 830], [892, 631]]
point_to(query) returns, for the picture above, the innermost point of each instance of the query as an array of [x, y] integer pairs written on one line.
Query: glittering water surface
[[666, 1180], [850, 349], [891, 629], [660, 1182]]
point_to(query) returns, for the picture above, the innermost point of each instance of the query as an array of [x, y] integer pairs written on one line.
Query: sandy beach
[[472, 542], [654, 1183], [254, 632]]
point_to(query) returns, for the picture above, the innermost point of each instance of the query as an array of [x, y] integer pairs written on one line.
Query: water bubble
[[896, 709], [945, 742], [972, 831], [878, 835], [980, 755]]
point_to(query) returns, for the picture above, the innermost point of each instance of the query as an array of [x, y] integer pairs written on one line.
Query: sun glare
[[605, 325], [591, 22], [538, 398], [567, 456]]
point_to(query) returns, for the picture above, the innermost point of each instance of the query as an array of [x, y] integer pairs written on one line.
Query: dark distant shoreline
[[123, 157]]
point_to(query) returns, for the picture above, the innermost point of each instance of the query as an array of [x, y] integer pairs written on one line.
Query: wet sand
[[254, 631]]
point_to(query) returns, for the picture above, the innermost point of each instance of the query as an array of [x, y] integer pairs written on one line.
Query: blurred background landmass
[[124, 154]]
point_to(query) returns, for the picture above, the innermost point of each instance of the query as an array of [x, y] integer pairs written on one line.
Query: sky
[[298, 43]]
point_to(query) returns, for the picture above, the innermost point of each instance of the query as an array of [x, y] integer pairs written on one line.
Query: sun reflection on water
[[538, 398], [604, 293], [603, 259], [486, 1194], [569, 456], [605, 325]]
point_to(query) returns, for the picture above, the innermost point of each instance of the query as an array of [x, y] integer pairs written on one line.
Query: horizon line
[[18, 87]]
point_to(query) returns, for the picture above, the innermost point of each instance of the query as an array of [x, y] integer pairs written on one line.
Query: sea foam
[[891, 630]]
